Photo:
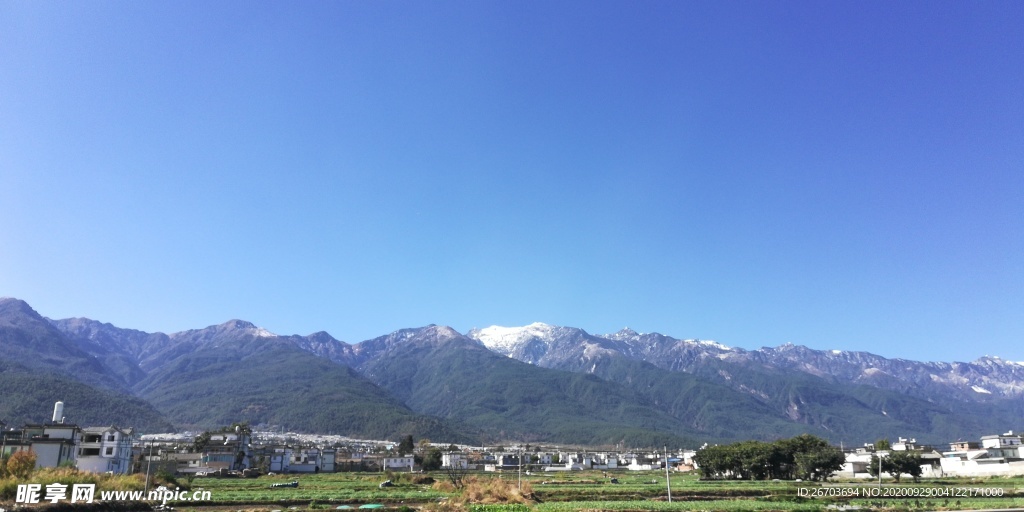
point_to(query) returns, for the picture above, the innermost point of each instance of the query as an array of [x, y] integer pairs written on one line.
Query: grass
[[586, 491], [489, 492], [334, 489], [714, 505], [71, 476]]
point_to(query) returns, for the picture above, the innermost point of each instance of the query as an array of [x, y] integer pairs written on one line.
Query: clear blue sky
[[835, 174]]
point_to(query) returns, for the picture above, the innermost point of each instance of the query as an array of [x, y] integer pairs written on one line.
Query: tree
[[873, 466], [200, 442], [812, 450], [456, 474], [803, 456], [21, 464], [717, 462], [406, 445], [819, 463], [432, 460], [903, 462], [755, 459], [882, 445], [240, 428], [423, 445]]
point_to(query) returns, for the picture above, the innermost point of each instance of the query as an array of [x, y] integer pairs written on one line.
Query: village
[[240, 451]]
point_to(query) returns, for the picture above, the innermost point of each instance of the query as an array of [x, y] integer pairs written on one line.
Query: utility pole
[[149, 464], [879, 470], [520, 468], [668, 477]]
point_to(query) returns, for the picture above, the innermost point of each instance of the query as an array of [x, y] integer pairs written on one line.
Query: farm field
[[594, 491]]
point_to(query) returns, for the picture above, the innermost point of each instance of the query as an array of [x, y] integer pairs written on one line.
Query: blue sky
[[835, 174]]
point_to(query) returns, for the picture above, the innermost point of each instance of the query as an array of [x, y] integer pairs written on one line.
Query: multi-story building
[[454, 460], [964, 446], [1005, 445], [53, 443], [400, 463], [105, 449], [227, 451]]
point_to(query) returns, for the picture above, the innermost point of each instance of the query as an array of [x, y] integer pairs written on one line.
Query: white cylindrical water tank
[[58, 412]]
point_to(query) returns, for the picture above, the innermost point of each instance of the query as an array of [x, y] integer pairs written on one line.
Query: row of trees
[[805, 456]]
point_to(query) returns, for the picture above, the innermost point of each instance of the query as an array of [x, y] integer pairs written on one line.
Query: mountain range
[[537, 383]]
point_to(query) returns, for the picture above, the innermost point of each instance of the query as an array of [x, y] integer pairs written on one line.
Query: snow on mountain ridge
[[231, 326], [712, 343], [507, 339]]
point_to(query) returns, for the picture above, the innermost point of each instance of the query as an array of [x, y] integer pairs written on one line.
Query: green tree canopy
[[903, 462], [432, 460], [804, 456], [406, 445]]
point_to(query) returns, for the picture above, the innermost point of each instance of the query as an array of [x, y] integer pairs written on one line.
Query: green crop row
[[717, 505]]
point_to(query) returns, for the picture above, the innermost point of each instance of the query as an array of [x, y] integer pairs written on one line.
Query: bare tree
[[456, 474]]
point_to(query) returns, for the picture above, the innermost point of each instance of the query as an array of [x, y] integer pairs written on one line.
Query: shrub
[[443, 486], [21, 464], [8, 488], [423, 479], [167, 479], [494, 490]]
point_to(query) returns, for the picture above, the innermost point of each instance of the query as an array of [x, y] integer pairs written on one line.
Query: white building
[[1005, 445], [105, 449], [605, 460], [54, 443], [978, 463], [903, 444], [277, 458], [311, 460], [328, 459], [638, 464], [454, 460], [998, 455], [399, 463]]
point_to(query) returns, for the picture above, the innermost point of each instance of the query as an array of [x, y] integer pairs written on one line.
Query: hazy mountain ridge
[[438, 371], [640, 386], [29, 340], [199, 378], [831, 407], [980, 380], [127, 352]]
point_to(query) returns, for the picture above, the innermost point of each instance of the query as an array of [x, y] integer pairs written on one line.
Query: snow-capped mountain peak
[[712, 344], [506, 339]]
